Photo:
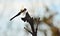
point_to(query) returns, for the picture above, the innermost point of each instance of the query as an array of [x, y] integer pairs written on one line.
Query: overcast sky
[[9, 8]]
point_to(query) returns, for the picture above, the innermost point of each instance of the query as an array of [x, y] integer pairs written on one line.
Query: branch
[[36, 28], [27, 30], [45, 33]]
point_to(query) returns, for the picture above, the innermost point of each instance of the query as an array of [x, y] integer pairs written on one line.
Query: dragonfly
[[18, 13]]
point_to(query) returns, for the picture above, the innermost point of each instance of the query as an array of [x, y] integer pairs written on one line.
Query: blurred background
[[36, 8]]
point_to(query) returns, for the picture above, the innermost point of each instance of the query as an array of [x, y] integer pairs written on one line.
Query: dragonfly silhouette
[[27, 18], [18, 13]]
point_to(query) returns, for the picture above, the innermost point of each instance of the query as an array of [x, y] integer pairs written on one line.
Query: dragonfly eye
[[23, 10]]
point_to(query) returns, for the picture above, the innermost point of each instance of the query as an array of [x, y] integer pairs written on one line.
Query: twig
[[45, 33], [36, 28], [27, 30]]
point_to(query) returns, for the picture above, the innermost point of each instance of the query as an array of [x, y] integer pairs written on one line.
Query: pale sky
[[9, 8]]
